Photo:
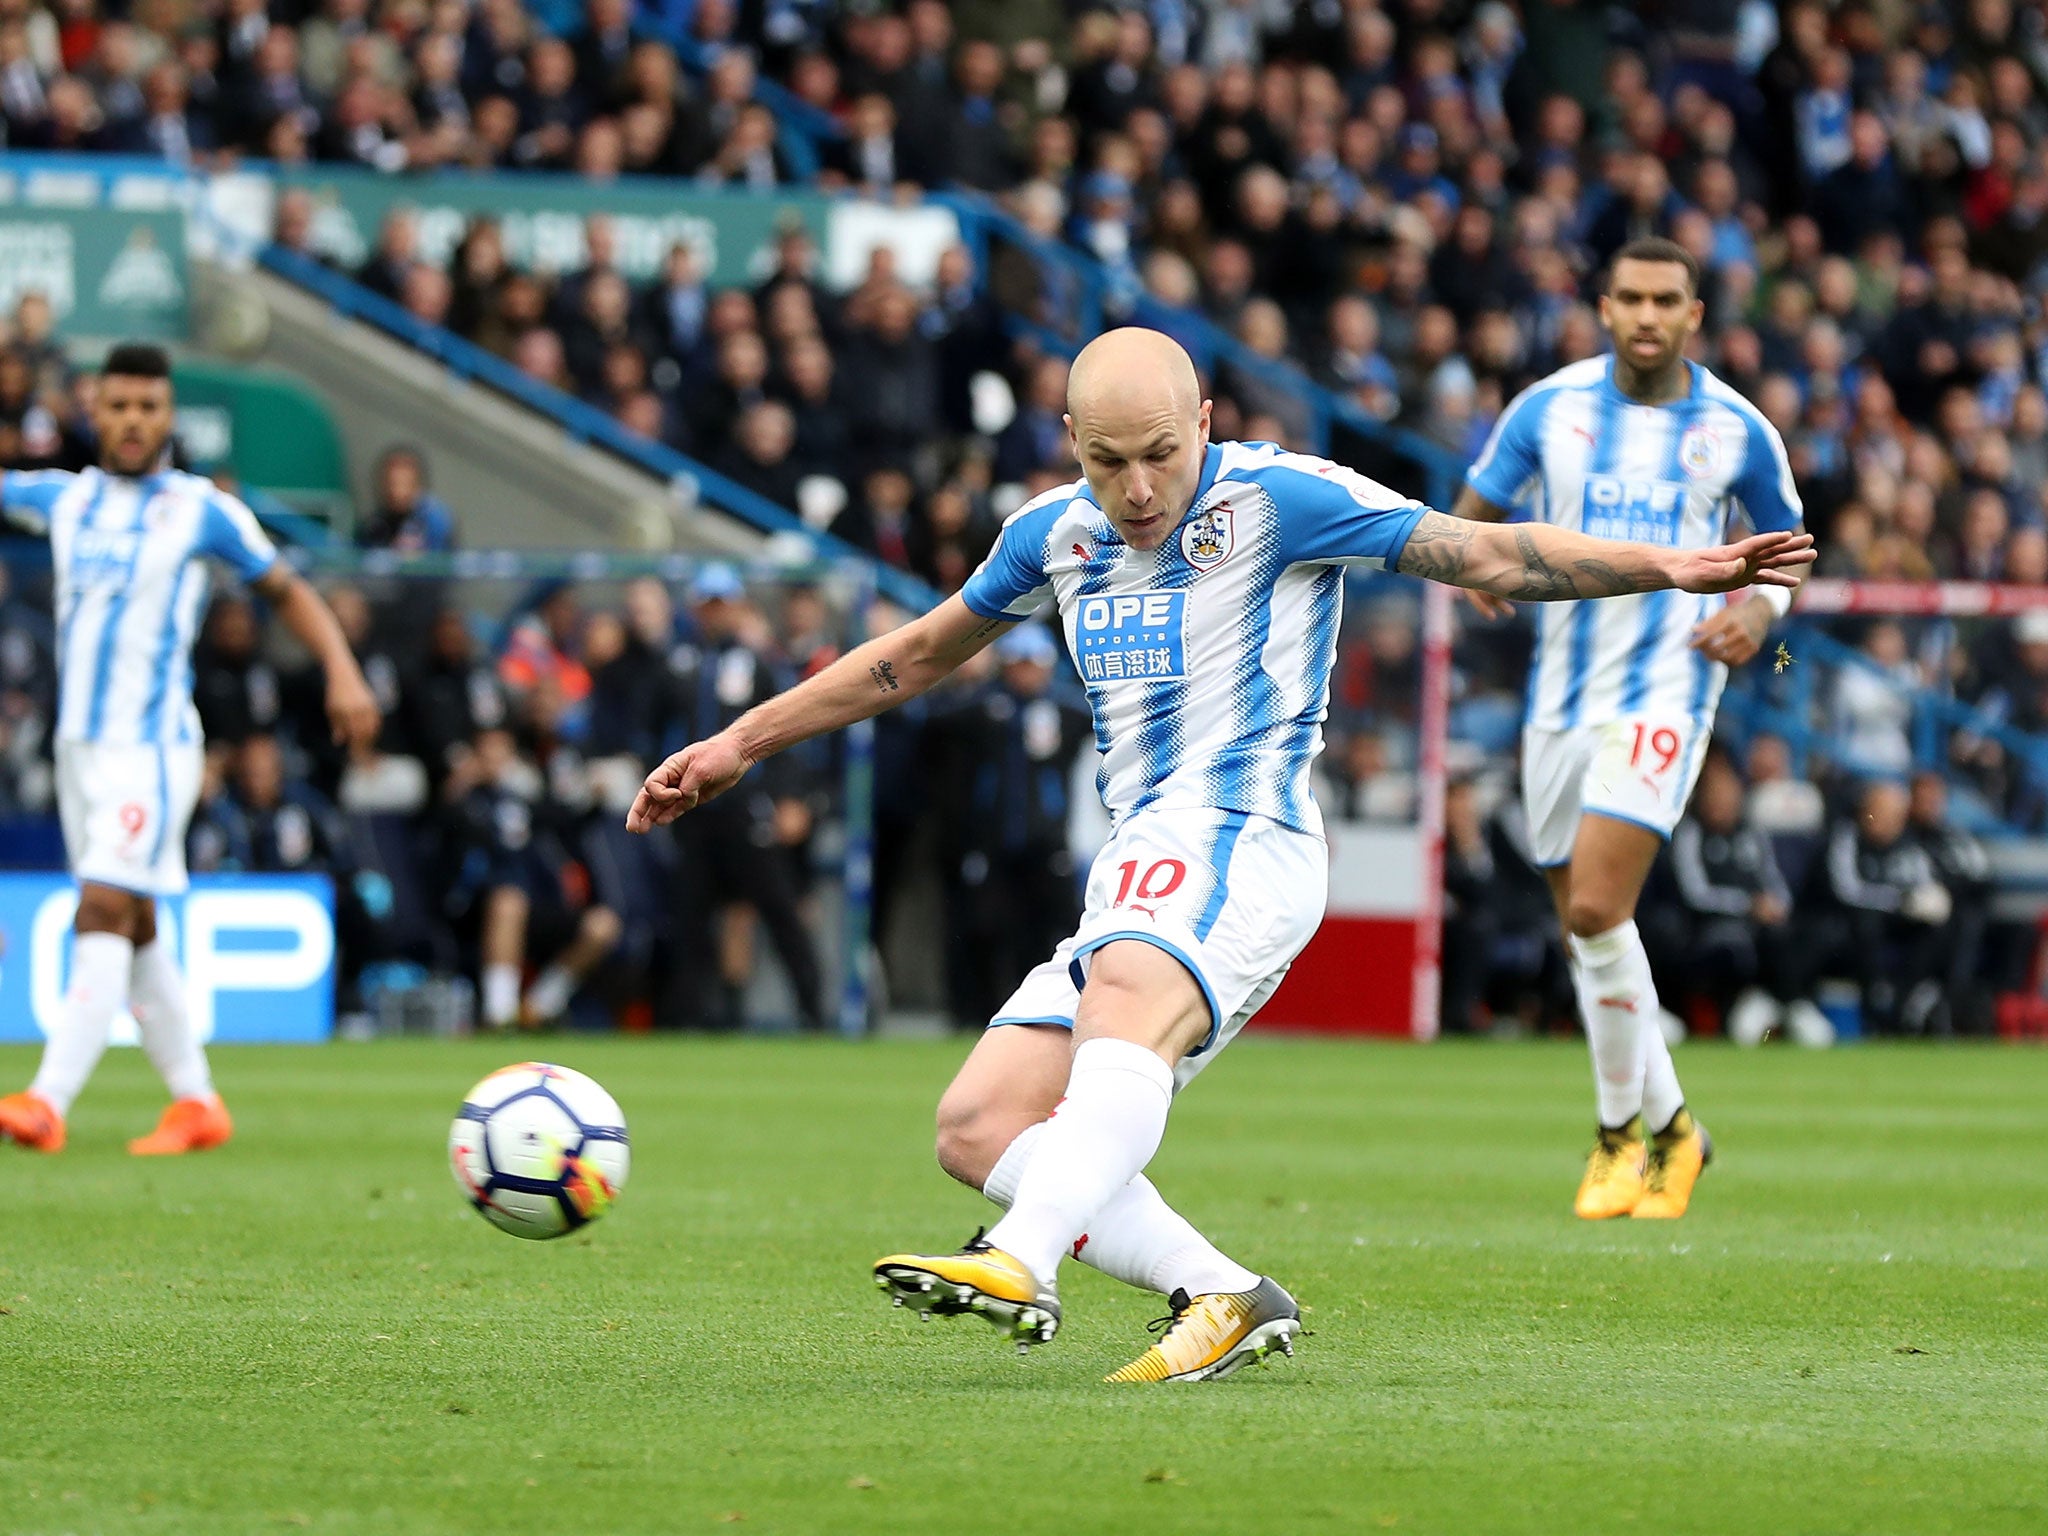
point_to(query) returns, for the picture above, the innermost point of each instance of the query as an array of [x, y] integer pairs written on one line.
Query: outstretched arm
[[1536, 562], [889, 670]]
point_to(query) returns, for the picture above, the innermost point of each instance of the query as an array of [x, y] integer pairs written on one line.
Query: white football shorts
[[1233, 897], [125, 810], [1641, 769]]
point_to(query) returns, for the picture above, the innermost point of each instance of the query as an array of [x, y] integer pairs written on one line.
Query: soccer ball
[[539, 1150]]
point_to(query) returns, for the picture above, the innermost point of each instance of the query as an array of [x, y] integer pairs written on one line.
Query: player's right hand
[[701, 771], [352, 711], [1761, 560]]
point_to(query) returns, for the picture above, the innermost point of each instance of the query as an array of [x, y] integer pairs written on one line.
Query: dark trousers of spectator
[[1506, 968], [720, 862], [1011, 918], [1898, 967], [1718, 959], [1981, 957], [1467, 967]]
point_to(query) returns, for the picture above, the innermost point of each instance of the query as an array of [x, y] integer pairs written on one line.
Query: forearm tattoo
[[1438, 550], [884, 674], [1540, 581], [1447, 549]]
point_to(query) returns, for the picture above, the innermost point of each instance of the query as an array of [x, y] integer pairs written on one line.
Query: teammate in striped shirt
[[1199, 586], [1647, 446], [129, 541]]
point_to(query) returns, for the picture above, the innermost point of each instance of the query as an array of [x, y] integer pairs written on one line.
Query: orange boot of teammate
[[189, 1125], [31, 1121]]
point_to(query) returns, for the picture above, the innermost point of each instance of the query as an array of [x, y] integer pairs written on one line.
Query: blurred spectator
[[735, 863], [762, 455], [451, 695], [1885, 914], [517, 883], [406, 516], [1018, 742], [1977, 954], [1724, 936], [234, 686]]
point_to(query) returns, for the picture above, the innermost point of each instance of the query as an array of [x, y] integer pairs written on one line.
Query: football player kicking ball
[[1649, 447], [1199, 585], [128, 541]]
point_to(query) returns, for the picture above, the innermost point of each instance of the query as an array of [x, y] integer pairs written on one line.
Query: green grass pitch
[[308, 1330]]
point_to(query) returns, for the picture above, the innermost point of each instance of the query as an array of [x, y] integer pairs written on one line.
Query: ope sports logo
[[1644, 511], [1131, 635]]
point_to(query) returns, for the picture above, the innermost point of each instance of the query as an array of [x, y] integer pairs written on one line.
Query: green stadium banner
[[106, 271], [542, 218]]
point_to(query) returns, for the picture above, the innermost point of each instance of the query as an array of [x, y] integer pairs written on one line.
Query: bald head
[[1132, 370], [1139, 427]]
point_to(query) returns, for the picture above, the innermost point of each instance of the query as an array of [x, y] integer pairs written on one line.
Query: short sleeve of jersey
[[30, 495], [229, 532], [1330, 515], [1765, 486], [1011, 583], [1513, 455]]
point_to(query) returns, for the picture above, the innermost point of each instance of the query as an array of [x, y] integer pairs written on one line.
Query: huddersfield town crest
[[1206, 541], [1699, 452]]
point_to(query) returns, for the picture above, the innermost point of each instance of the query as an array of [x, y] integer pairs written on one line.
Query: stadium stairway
[[587, 482], [520, 487]]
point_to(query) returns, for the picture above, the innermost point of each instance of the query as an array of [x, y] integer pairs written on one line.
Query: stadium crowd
[[1410, 200]]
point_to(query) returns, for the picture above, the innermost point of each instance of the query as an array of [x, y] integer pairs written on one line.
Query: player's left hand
[[699, 772], [352, 712], [1735, 634], [1761, 560]]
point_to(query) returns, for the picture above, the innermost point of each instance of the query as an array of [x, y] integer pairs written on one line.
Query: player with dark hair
[[1646, 446], [130, 539]]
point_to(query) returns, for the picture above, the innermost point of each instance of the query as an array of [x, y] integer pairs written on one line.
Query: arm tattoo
[[984, 630], [1540, 581], [884, 674], [1448, 549], [1438, 550]]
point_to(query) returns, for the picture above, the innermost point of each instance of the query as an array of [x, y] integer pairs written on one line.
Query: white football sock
[[1102, 1137], [156, 996], [98, 990], [1137, 1238], [1662, 1097], [549, 995], [501, 995], [1619, 1003]]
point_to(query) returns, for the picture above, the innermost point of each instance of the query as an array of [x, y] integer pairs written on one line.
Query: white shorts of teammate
[[1233, 897], [125, 810], [1640, 769]]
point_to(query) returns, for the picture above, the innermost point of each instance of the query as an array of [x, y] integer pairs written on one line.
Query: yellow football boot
[[981, 1279], [1614, 1173], [1211, 1335], [1678, 1155]]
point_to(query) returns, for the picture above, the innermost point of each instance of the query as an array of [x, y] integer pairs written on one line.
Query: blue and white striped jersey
[[1207, 660], [130, 589], [1657, 474]]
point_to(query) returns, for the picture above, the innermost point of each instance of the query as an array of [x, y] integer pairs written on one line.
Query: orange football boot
[[189, 1125], [30, 1120]]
